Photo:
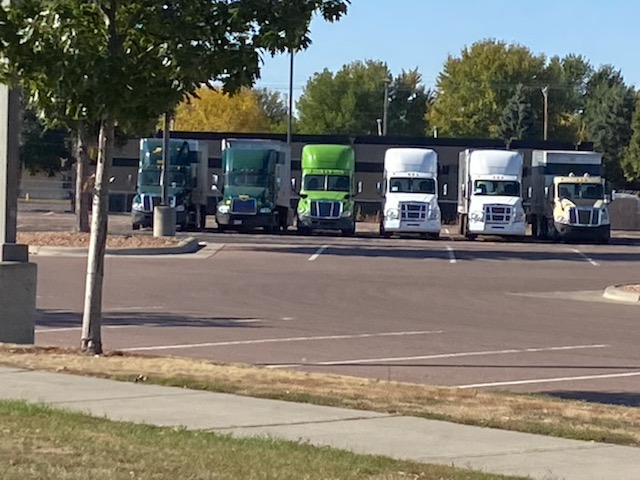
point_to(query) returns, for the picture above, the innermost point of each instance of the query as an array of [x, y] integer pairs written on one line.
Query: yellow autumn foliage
[[216, 111]]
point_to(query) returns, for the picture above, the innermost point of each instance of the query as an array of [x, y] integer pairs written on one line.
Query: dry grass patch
[[526, 413]]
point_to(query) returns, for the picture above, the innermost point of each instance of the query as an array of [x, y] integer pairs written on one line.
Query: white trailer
[[410, 191], [489, 193]]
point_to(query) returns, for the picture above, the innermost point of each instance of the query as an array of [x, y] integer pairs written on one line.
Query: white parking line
[[282, 340], [451, 355], [588, 259], [551, 380], [318, 253], [71, 329], [452, 257]]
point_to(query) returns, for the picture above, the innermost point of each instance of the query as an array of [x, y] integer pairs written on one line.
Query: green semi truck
[[328, 189], [255, 186]]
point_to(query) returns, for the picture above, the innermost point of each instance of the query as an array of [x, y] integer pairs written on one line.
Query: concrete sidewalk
[[422, 440]]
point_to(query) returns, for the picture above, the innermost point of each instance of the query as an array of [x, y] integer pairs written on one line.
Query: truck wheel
[[535, 228], [304, 231], [434, 236], [463, 225], [135, 226], [349, 232], [383, 232], [471, 236]]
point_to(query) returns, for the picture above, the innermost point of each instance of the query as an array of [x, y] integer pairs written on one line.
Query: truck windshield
[[175, 177], [412, 185], [330, 183], [587, 191], [248, 180], [497, 188]]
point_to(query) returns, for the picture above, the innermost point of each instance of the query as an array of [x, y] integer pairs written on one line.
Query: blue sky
[[421, 33]]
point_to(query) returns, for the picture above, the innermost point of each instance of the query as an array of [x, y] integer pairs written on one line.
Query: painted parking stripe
[[283, 340], [588, 259], [318, 253], [362, 361], [551, 380], [452, 256]]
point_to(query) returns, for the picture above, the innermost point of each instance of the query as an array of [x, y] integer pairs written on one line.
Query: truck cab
[[409, 188], [567, 196], [328, 189], [187, 162], [489, 198], [255, 185]]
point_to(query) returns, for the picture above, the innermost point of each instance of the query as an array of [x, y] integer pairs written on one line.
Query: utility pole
[[385, 109], [17, 275], [164, 215], [545, 125], [290, 113]]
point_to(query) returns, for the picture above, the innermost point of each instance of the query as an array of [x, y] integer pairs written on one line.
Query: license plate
[[237, 222]]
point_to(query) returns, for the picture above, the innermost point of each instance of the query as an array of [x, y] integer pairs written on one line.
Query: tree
[[275, 107], [213, 110], [347, 102], [128, 62], [609, 105], [473, 89], [516, 119], [42, 149], [631, 157], [408, 104]]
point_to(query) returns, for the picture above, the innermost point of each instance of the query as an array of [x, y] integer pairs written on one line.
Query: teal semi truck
[[255, 185], [188, 186], [328, 189]]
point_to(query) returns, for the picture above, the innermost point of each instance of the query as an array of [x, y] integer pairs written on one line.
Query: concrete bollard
[[17, 302], [164, 221]]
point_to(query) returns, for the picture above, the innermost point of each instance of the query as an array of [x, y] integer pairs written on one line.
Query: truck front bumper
[[397, 226], [231, 220], [586, 233], [314, 223], [508, 229]]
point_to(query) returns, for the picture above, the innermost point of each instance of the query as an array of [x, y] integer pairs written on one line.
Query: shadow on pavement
[[610, 398], [47, 319]]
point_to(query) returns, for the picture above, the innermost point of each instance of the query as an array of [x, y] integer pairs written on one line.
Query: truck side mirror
[[359, 187], [445, 189], [214, 181], [530, 192], [379, 188], [546, 191], [130, 179], [293, 183]]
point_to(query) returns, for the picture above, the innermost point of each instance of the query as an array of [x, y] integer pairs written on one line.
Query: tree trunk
[[92, 315], [83, 193]]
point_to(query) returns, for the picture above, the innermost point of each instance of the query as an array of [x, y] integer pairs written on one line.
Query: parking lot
[[524, 317]]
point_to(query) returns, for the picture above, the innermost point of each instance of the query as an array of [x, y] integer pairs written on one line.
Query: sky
[[408, 34]]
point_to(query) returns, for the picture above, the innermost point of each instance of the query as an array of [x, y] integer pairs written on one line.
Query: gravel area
[[74, 239]]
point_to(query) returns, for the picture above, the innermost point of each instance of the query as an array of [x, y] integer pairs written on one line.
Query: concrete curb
[[187, 245], [616, 293]]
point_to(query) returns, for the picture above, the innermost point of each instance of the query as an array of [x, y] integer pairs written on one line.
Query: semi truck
[[489, 193], [328, 189], [255, 185], [410, 192], [188, 185], [567, 196]]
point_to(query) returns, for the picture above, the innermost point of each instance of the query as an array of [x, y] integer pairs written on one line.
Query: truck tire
[[135, 226], [463, 225], [471, 236], [535, 227], [349, 232]]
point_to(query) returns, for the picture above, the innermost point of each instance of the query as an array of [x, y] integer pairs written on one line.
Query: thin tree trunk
[[83, 193], [92, 316]]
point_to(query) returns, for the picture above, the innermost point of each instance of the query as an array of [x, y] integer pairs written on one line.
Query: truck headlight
[[265, 210], [346, 213], [137, 206], [476, 216], [392, 214], [604, 216], [561, 219], [179, 208], [223, 209], [434, 213]]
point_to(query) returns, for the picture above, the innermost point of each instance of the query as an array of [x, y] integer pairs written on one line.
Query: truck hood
[[480, 200], [392, 200], [322, 195], [582, 202]]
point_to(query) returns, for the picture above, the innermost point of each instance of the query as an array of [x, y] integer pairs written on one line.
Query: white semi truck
[[567, 196], [410, 191], [489, 193]]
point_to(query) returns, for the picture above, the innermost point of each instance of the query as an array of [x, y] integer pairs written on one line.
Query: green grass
[[38, 442]]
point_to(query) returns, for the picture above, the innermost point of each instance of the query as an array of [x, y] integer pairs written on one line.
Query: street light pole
[[385, 108], [290, 115], [545, 95]]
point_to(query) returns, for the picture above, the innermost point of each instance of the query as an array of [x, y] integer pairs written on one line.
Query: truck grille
[[414, 211], [498, 213], [325, 209], [584, 216], [246, 207]]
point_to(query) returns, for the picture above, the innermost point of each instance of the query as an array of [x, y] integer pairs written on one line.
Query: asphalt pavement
[[408, 438]]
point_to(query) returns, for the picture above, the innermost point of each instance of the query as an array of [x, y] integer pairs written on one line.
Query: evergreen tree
[[517, 118]]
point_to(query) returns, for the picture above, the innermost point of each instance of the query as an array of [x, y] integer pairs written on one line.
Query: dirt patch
[[75, 239]]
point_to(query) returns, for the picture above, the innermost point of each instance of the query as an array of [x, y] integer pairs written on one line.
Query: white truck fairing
[[410, 192], [490, 197]]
